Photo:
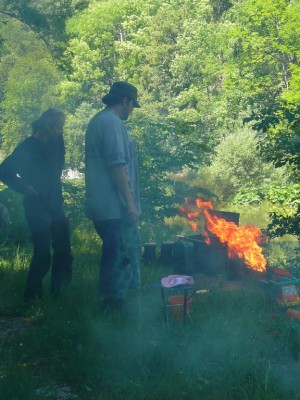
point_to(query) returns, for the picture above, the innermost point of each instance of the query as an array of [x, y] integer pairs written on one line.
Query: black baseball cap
[[119, 90]]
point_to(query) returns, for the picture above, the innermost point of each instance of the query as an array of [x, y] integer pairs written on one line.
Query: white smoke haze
[[232, 345]]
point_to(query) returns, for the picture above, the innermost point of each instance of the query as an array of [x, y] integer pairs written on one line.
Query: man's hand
[[121, 183], [132, 213]]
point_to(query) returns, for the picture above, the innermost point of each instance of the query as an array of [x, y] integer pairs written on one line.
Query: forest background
[[219, 85]]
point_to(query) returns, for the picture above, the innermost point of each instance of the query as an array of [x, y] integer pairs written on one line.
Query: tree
[[126, 44], [264, 74], [279, 141], [264, 36], [24, 12], [91, 54], [75, 128], [46, 18], [238, 165], [29, 77]]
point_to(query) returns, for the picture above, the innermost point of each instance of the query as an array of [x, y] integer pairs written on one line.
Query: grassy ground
[[63, 348]]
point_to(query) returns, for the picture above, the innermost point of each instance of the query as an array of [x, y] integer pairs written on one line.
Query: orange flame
[[242, 241], [187, 211]]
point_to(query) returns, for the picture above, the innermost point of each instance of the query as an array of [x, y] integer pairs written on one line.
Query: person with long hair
[[34, 169]]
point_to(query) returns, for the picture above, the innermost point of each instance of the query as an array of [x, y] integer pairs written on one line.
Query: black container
[[235, 269], [210, 259], [166, 254], [183, 257], [149, 254], [227, 215], [215, 255]]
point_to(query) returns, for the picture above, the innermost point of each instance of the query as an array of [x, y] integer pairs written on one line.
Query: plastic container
[[288, 295], [176, 306]]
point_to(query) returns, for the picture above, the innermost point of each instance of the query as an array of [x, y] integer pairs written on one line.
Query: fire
[[241, 241]]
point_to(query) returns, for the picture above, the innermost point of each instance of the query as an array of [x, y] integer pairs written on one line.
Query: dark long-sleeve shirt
[[39, 165]]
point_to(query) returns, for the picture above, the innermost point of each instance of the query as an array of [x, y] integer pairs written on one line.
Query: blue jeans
[[119, 265]]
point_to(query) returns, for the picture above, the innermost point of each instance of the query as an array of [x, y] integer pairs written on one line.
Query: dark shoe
[[33, 293]]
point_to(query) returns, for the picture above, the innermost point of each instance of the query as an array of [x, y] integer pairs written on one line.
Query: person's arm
[[120, 181], [9, 175]]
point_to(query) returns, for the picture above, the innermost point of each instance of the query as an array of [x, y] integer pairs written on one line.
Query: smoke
[[229, 347]]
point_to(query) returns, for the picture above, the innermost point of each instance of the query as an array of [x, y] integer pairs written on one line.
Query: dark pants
[[48, 230], [119, 266]]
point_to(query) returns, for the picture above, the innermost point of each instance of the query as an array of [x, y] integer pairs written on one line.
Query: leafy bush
[[18, 231]]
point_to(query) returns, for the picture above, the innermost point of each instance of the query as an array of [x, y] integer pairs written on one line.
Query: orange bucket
[[176, 306]]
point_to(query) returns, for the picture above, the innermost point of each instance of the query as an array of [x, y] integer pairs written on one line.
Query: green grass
[[64, 348]]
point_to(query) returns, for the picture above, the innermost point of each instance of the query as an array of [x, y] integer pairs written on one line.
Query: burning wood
[[242, 241]]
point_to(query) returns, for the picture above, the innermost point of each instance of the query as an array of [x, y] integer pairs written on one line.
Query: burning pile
[[242, 241]]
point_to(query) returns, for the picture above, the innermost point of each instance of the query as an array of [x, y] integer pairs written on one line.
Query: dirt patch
[[12, 326]]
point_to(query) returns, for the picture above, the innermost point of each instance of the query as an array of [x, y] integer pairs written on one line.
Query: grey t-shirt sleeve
[[114, 143]]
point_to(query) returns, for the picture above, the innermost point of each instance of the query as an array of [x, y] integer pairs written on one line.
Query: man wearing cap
[[112, 194]]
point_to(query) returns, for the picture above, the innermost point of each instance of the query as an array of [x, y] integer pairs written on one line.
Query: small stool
[[184, 290]]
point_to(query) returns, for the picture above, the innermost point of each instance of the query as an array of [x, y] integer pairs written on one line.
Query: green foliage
[[200, 67], [286, 196], [90, 57], [45, 18], [279, 126], [24, 11], [17, 232], [159, 155], [29, 78], [248, 196], [261, 56], [75, 128], [219, 7], [197, 77], [284, 206], [73, 193], [283, 253], [237, 168], [279, 129], [74, 199], [282, 225], [286, 220]]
